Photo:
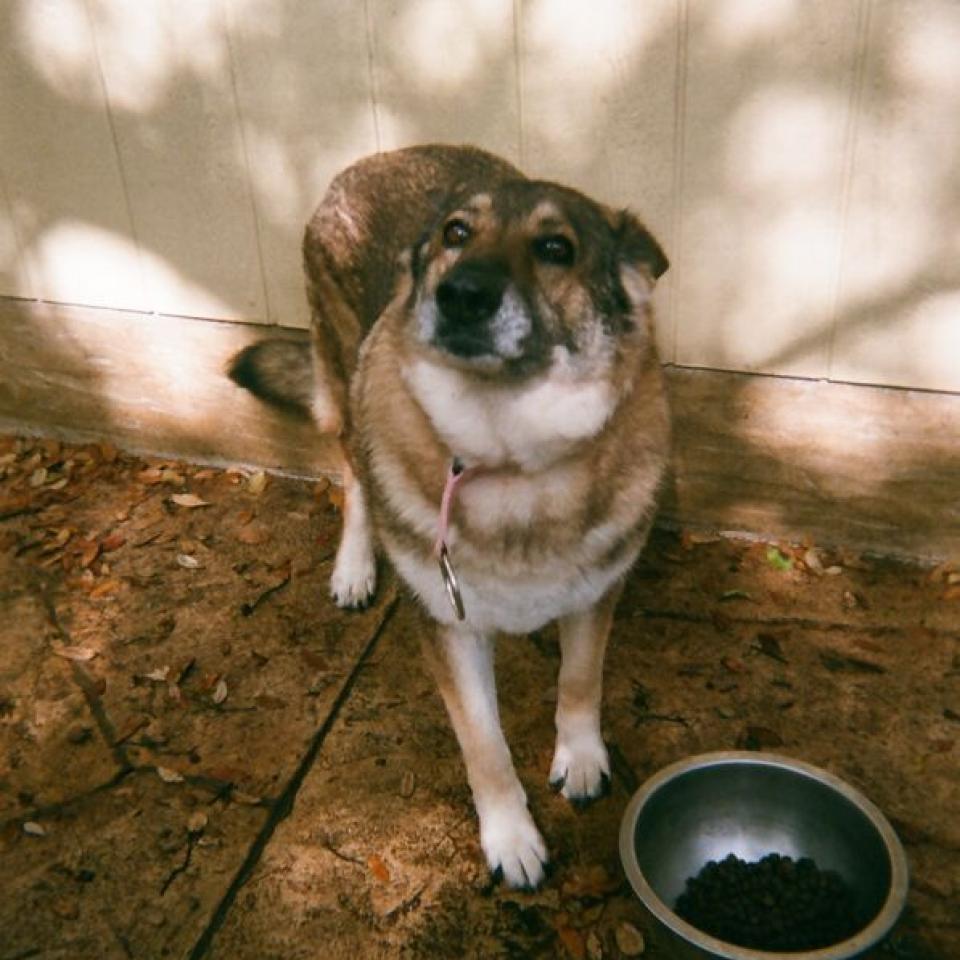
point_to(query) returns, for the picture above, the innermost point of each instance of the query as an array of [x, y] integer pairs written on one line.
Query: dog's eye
[[555, 249], [455, 234]]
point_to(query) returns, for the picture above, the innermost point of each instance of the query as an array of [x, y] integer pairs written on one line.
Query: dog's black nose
[[471, 292]]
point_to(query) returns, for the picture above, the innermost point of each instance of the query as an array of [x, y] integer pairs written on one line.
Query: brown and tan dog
[[463, 314]]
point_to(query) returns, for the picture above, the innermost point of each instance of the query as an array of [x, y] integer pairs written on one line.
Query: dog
[[483, 346]]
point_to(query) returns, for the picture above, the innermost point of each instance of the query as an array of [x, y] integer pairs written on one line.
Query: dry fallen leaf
[[378, 868], [159, 675], [941, 572], [88, 551], [220, 693], [189, 500], [169, 776], [589, 881], [630, 940], [851, 600], [408, 783], [105, 588], [151, 475], [113, 542], [80, 654], [257, 483], [253, 534], [689, 539], [109, 452], [63, 536], [594, 946], [573, 942], [248, 799], [734, 665], [197, 822]]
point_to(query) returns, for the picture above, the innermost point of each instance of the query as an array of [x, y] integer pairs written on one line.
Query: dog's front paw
[[580, 768], [354, 577], [513, 846]]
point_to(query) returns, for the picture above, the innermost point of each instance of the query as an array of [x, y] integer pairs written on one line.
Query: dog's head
[[507, 277]]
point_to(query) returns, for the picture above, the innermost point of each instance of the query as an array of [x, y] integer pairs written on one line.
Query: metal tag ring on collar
[[451, 583]]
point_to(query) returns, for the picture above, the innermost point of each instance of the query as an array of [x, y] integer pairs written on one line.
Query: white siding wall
[[799, 159]]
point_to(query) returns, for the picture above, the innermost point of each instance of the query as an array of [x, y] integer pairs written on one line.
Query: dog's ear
[[637, 246]]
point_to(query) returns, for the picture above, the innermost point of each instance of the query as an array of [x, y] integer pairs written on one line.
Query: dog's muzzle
[[469, 300]]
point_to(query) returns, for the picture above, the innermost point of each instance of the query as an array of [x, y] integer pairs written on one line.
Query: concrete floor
[[201, 757]]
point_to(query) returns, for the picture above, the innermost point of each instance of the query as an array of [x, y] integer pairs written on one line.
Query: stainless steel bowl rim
[[867, 937]]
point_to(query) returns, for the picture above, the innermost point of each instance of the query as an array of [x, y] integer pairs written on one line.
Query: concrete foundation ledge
[[869, 467]]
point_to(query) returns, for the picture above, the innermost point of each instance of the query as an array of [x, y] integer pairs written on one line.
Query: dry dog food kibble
[[774, 904]]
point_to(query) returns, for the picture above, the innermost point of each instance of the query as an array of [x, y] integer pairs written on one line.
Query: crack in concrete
[[284, 804], [84, 680], [220, 790], [52, 809], [801, 623], [192, 839]]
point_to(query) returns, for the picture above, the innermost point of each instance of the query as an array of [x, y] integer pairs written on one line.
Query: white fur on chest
[[531, 425], [495, 603]]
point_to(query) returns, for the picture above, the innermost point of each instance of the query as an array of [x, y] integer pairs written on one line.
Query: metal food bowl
[[751, 804]]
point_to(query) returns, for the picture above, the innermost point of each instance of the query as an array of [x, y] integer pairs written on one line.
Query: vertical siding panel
[[767, 106], [168, 78], [16, 279], [667, 319], [599, 106], [898, 319], [446, 72], [306, 102], [59, 162]]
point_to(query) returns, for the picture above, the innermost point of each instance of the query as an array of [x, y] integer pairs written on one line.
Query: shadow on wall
[[784, 260]]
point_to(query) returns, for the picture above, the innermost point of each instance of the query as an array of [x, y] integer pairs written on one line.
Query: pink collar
[[455, 476]]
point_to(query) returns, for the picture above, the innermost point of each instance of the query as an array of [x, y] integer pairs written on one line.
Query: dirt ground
[[200, 756]]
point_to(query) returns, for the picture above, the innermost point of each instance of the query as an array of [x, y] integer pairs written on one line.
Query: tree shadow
[[789, 496], [676, 77]]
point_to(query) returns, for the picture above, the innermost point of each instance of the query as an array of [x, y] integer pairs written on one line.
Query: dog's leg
[[329, 402], [354, 576], [462, 662], [581, 767]]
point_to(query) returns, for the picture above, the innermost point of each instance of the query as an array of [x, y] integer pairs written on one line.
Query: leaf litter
[[171, 692]]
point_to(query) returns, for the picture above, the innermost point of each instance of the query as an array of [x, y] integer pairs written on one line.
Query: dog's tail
[[278, 371]]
